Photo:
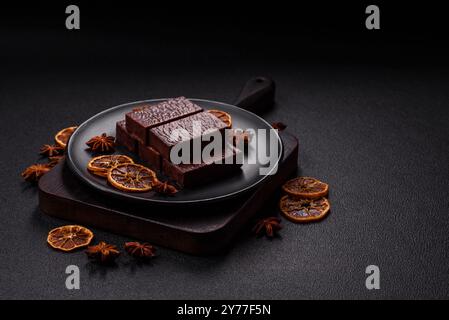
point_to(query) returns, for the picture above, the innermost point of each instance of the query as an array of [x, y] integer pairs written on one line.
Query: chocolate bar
[[191, 175], [123, 138], [162, 140], [150, 155], [141, 120]]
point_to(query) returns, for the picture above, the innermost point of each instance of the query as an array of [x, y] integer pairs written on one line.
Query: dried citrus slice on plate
[[223, 116], [131, 177], [306, 187], [304, 210], [101, 164], [68, 238], [63, 136]]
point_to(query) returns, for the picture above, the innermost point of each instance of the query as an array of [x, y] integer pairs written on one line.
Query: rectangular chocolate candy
[[150, 156], [162, 140], [191, 175], [123, 138], [141, 120]]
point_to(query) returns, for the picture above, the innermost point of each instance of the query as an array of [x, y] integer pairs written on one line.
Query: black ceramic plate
[[78, 156]]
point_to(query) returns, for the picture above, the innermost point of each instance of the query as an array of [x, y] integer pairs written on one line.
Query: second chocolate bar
[[163, 139], [140, 120], [150, 156], [191, 175]]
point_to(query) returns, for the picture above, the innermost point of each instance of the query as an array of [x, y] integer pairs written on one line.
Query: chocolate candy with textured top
[[150, 156], [141, 120], [163, 141], [123, 138], [191, 175]]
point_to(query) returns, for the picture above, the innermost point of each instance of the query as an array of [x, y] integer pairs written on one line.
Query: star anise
[[269, 226], [53, 161], [103, 252], [35, 172], [103, 143], [164, 188], [140, 250], [279, 125], [51, 150]]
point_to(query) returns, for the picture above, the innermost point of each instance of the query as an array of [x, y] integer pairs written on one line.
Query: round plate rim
[[128, 196]]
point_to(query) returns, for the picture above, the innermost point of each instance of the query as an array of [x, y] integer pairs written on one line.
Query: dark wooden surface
[[194, 229], [257, 95]]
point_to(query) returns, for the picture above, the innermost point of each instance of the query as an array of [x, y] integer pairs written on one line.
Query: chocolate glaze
[[162, 141], [140, 120], [150, 156], [123, 138], [191, 175], [147, 132]]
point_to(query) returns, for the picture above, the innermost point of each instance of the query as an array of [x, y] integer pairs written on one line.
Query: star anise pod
[[103, 143], [279, 125], [54, 160], [103, 252], [35, 172], [140, 250], [164, 188], [269, 226], [51, 150]]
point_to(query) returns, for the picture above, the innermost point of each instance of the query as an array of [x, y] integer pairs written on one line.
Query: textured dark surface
[[376, 131]]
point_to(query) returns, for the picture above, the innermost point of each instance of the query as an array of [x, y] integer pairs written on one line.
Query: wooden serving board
[[195, 229]]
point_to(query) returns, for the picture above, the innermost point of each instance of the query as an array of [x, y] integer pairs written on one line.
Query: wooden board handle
[[257, 95]]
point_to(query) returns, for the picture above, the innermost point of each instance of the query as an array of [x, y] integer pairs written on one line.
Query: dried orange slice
[[223, 116], [101, 164], [304, 210], [131, 177], [68, 238], [63, 136], [306, 187]]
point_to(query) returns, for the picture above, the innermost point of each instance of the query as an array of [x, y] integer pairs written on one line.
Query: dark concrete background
[[372, 121]]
